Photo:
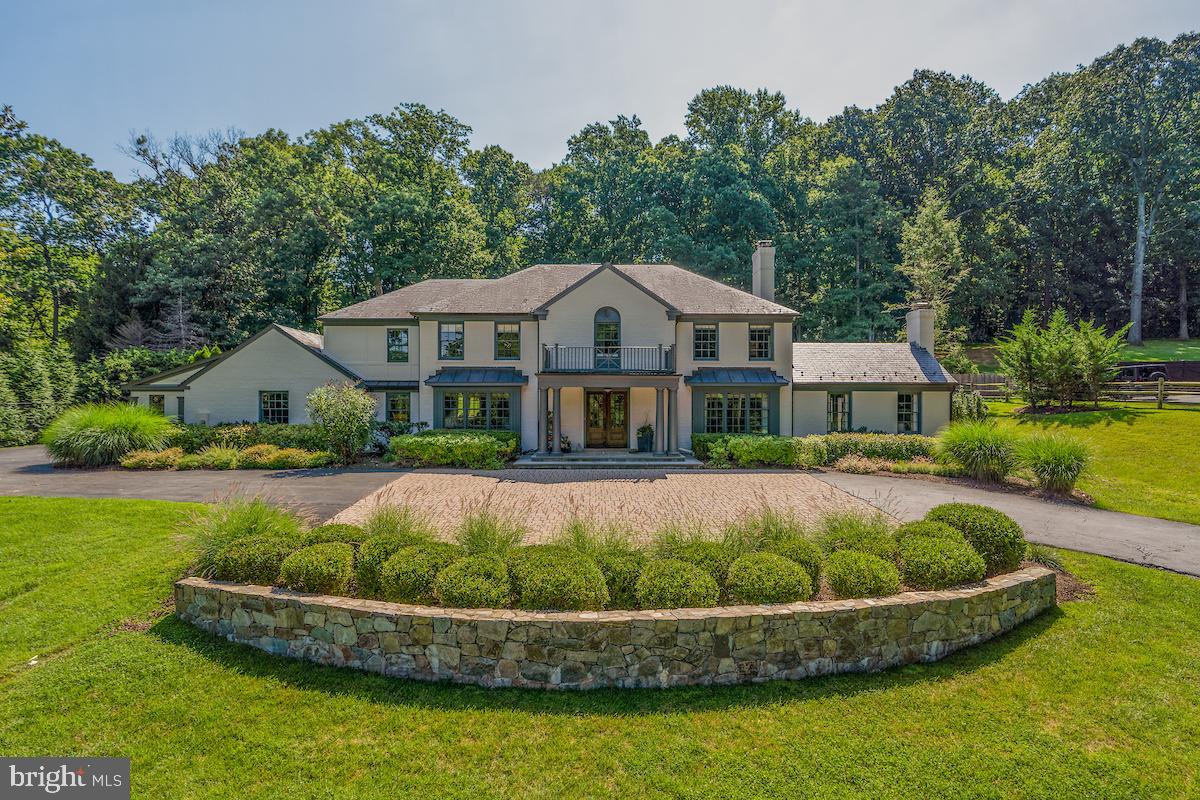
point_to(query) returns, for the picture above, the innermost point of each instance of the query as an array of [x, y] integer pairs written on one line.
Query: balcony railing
[[643, 360]]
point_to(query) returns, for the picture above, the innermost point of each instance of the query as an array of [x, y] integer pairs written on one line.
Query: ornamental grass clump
[[1055, 459], [693, 546], [760, 578], [853, 574], [777, 532], [237, 518], [98, 434], [254, 560], [994, 535], [558, 578], [319, 568], [474, 582], [609, 547], [670, 583], [408, 574], [486, 533], [928, 528], [986, 451], [935, 562], [858, 531]]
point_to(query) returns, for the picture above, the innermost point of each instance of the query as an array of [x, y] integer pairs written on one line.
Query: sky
[[525, 74]]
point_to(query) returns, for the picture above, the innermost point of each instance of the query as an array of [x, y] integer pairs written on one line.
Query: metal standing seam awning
[[477, 376], [734, 376]]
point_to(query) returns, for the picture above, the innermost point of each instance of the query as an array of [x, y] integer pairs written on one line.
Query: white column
[[673, 420], [660, 438], [556, 443], [541, 420]]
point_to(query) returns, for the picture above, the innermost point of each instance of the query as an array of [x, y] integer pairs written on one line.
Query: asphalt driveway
[[320, 493]]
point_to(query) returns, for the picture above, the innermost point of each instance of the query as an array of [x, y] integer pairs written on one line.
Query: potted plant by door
[[645, 436]]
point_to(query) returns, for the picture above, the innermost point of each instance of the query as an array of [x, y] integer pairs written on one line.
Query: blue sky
[[525, 75]]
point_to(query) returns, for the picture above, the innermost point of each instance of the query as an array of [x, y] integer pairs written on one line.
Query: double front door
[[608, 418]]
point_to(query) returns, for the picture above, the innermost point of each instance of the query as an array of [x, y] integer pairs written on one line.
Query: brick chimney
[[919, 323], [762, 269]]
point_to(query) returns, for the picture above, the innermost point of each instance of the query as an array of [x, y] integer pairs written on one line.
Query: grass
[[1145, 461], [1099, 698]]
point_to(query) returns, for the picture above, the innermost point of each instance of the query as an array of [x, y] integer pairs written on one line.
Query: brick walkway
[[641, 500]]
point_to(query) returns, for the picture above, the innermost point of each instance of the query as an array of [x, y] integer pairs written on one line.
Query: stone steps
[[617, 460]]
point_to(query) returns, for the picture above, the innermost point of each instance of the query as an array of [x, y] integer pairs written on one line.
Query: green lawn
[[1099, 698], [1147, 461]]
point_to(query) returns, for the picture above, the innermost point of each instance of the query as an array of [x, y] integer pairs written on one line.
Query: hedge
[[194, 438], [809, 451], [319, 568], [935, 562], [408, 574], [253, 560], [670, 583], [374, 552], [854, 574], [994, 535], [471, 449], [259, 456], [552, 577], [473, 582], [758, 578]]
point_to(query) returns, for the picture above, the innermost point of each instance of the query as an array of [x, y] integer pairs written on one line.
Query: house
[[585, 353]]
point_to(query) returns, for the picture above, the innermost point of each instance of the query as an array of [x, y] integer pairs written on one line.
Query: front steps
[[606, 459]]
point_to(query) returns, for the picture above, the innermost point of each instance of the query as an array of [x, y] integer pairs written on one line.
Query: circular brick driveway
[[640, 500]]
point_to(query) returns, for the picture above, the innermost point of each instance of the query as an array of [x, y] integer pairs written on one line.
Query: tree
[[345, 414], [1099, 355], [500, 188]]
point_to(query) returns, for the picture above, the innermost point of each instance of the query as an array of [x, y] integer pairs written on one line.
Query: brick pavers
[[641, 500]]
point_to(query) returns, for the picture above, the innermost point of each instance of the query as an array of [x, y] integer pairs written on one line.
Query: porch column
[[541, 420], [660, 437], [556, 441], [673, 420]]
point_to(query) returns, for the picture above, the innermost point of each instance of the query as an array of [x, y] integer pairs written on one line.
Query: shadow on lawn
[[338, 681]]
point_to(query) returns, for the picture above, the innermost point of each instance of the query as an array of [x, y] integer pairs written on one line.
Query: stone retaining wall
[[585, 650]]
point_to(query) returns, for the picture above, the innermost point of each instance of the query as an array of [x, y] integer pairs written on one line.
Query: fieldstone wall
[[585, 650]]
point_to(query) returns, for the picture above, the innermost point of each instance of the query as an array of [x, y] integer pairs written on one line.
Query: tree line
[[1081, 192]]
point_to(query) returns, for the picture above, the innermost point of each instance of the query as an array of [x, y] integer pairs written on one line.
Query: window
[[273, 407], [450, 341], [179, 407], [479, 410], [397, 345], [760, 343], [737, 412], [907, 418], [158, 402], [508, 340], [399, 407], [704, 342], [607, 338], [837, 412]]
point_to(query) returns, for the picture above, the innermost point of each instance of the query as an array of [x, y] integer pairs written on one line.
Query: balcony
[[647, 360]]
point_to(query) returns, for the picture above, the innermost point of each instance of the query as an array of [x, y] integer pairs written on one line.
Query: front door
[[607, 418]]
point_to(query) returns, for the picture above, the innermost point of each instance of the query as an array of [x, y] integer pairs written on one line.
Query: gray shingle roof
[[525, 291], [734, 376], [865, 362]]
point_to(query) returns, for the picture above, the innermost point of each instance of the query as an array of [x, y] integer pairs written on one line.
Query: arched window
[[607, 338]]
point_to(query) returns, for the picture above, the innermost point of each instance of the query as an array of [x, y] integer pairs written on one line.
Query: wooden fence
[[995, 386]]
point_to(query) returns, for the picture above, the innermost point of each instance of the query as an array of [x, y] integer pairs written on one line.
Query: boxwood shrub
[[930, 529], [994, 535], [802, 551], [883, 446], [474, 582], [254, 560], [711, 555], [559, 578], [809, 451], [373, 552], [220, 457], [935, 562], [767, 578], [408, 574], [471, 449], [671, 583], [319, 568], [851, 573], [621, 569], [336, 532]]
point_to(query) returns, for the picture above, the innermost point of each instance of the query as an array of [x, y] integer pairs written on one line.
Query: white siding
[[873, 410], [935, 412], [363, 348], [643, 319], [273, 362], [808, 413]]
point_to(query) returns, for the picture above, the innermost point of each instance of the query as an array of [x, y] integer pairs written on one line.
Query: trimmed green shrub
[[670, 583], [618, 560], [994, 535], [319, 568], [375, 551], [930, 529], [473, 582], [1055, 459], [219, 525], [258, 456], [757, 578], [505, 437], [254, 560], [986, 451], [853, 530], [152, 459], [474, 449], [194, 438], [935, 562], [802, 551], [555, 577], [883, 446], [714, 557], [486, 533], [408, 574], [219, 457], [295, 458], [190, 461], [344, 413], [851, 573], [94, 435], [335, 532], [776, 532]]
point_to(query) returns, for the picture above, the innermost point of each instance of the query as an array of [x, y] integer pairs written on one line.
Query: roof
[[533, 288], [865, 362], [730, 376], [491, 376]]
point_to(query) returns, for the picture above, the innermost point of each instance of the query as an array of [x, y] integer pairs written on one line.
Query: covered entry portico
[[605, 411]]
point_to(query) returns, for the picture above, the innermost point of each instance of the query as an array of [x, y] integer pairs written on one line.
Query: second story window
[[397, 345], [760, 343], [704, 342], [508, 341], [607, 338], [451, 344]]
